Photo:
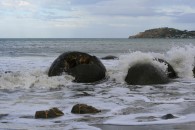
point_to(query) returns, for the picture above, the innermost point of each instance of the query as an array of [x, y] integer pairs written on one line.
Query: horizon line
[[63, 38]]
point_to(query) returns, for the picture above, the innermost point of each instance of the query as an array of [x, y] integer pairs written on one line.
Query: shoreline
[[175, 126]]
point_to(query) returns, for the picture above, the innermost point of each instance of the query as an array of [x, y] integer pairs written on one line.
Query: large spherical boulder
[[145, 74], [84, 67], [194, 71], [170, 71]]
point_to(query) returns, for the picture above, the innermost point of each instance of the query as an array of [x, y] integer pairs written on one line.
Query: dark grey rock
[[51, 113], [110, 57], [145, 74], [168, 116], [84, 67], [84, 109], [3, 115]]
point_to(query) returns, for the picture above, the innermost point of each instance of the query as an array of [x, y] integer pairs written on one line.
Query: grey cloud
[[126, 10], [186, 18], [52, 4], [48, 15], [135, 8], [158, 3], [86, 2], [54, 10], [42, 9]]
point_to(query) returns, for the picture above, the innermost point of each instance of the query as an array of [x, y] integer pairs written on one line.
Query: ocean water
[[25, 87]]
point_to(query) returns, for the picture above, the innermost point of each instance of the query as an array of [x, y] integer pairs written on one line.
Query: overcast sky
[[92, 18]]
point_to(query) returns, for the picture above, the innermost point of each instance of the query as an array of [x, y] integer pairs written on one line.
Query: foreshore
[[176, 126]]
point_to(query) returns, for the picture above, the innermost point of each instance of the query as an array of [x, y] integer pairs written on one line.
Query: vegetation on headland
[[165, 32]]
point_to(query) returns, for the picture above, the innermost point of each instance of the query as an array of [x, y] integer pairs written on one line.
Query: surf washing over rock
[[180, 58], [26, 87], [78, 64]]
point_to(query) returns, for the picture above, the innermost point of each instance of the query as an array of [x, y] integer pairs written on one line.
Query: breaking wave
[[23, 73]]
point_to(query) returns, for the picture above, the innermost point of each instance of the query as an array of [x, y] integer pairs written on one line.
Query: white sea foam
[[29, 73], [182, 60], [37, 79]]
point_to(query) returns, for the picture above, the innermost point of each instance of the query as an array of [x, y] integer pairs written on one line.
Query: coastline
[[165, 32]]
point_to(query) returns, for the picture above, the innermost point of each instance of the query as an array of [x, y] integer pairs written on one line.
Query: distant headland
[[165, 32]]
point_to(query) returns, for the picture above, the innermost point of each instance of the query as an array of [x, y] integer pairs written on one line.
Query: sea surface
[[25, 87]]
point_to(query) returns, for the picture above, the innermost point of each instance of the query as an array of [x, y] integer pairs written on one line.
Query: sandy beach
[[184, 126]]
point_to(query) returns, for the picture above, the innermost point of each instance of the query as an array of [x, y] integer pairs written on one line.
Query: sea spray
[[182, 60], [130, 59]]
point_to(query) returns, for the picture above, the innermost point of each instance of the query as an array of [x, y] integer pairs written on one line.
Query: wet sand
[[184, 126]]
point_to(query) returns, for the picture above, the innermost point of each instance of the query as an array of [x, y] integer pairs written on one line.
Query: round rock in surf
[[145, 74], [170, 71], [110, 57], [84, 67]]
